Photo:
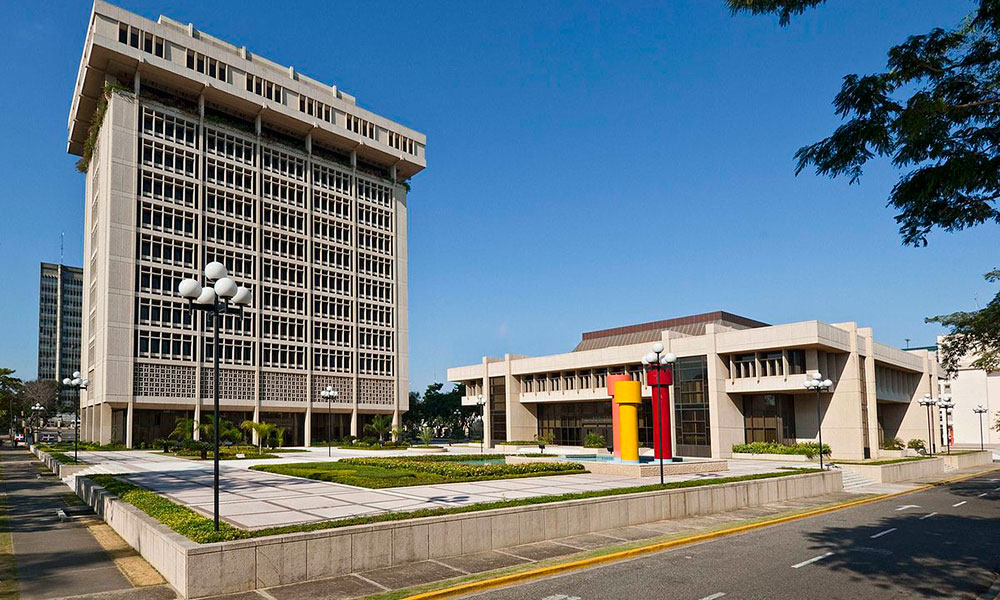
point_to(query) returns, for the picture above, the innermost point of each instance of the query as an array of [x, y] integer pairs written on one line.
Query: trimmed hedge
[[809, 449], [199, 529]]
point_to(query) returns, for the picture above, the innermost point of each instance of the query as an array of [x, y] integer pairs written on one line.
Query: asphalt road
[[939, 543]]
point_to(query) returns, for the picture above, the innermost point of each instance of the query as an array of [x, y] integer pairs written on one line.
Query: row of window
[[168, 127], [284, 273], [265, 88], [141, 40], [375, 364], [207, 65], [169, 158], [361, 126], [375, 265], [229, 146], [229, 175], [168, 189], [166, 219], [166, 251]]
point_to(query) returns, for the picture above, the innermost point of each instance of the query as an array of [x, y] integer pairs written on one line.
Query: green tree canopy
[[934, 112]]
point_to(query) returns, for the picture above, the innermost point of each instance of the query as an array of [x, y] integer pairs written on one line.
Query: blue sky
[[589, 164]]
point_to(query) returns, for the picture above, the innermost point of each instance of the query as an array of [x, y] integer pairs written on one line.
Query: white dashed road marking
[[906, 506], [881, 533], [714, 596], [981, 495], [812, 560], [959, 503], [928, 516]]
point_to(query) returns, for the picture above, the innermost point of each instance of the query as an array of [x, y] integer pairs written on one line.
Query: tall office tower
[[196, 150], [59, 299]]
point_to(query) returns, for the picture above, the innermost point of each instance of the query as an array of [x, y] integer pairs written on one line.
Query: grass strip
[[402, 471], [9, 588], [197, 528], [876, 463]]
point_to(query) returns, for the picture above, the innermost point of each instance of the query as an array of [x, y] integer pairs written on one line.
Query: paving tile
[[340, 512], [590, 541], [308, 502], [540, 550], [482, 561], [337, 588], [256, 521], [412, 574]]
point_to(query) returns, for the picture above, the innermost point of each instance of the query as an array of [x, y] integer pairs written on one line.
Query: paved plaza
[[253, 499]]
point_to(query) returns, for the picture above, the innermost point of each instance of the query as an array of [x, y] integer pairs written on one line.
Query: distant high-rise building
[[59, 309], [197, 150]]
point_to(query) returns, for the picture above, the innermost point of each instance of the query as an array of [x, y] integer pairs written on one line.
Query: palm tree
[[183, 429], [381, 425], [263, 431]]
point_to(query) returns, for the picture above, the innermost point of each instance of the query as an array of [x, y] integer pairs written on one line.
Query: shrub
[[893, 444], [916, 444], [454, 468], [426, 435], [808, 449], [594, 440]]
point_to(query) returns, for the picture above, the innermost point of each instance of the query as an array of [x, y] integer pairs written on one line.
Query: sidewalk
[[53, 559]]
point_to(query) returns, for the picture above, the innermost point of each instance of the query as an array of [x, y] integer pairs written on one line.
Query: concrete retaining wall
[[972, 459], [54, 465], [913, 469], [199, 570]]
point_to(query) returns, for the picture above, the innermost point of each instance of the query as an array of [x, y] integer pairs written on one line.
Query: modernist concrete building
[[60, 296], [969, 388], [735, 380], [197, 150]]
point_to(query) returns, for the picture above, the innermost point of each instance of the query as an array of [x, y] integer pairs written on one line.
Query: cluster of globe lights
[[224, 288], [664, 359], [816, 382], [77, 381]]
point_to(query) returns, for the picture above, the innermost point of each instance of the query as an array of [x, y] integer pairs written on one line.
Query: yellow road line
[[505, 580]]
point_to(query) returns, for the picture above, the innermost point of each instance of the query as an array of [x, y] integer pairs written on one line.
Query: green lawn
[[376, 472]]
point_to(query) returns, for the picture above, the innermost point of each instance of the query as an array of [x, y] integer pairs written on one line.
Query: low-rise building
[[736, 380], [969, 388]]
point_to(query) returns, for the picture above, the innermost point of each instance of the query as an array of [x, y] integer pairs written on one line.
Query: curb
[[513, 578]]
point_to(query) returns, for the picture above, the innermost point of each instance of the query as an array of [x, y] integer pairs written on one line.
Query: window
[[796, 362], [267, 89], [140, 40], [216, 69], [769, 418]]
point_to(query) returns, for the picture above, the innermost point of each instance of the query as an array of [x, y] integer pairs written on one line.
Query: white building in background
[[206, 152], [969, 388]]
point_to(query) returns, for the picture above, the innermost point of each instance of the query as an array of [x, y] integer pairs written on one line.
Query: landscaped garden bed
[[775, 451], [379, 472]]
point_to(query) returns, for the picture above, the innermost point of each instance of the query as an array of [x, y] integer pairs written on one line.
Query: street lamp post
[[927, 401], [657, 363], [222, 297], [35, 410], [816, 382], [482, 408], [329, 393], [80, 383], [946, 405], [979, 410]]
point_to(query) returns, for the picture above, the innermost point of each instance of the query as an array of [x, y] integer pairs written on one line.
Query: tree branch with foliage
[[934, 112]]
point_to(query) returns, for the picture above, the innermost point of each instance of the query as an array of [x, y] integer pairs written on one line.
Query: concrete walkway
[[255, 499], [54, 559]]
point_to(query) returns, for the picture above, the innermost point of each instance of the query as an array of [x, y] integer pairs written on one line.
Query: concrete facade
[[726, 365], [206, 152]]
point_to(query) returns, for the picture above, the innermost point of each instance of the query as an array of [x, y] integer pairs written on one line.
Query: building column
[[129, 417], [307, 434], [256, 419], [196, 434], [487, 421], [354, 421], [104, 433]]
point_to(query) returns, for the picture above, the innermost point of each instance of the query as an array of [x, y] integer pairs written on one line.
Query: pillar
[[129, 416], [308, 424], [628, 397], [254, 438], [487, 421], [104, 433], [354, 421], [197, 421]]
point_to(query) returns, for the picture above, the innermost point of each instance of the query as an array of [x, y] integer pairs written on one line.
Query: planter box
[[199, 570], [784, 457], [903, 471], [427, 450]]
